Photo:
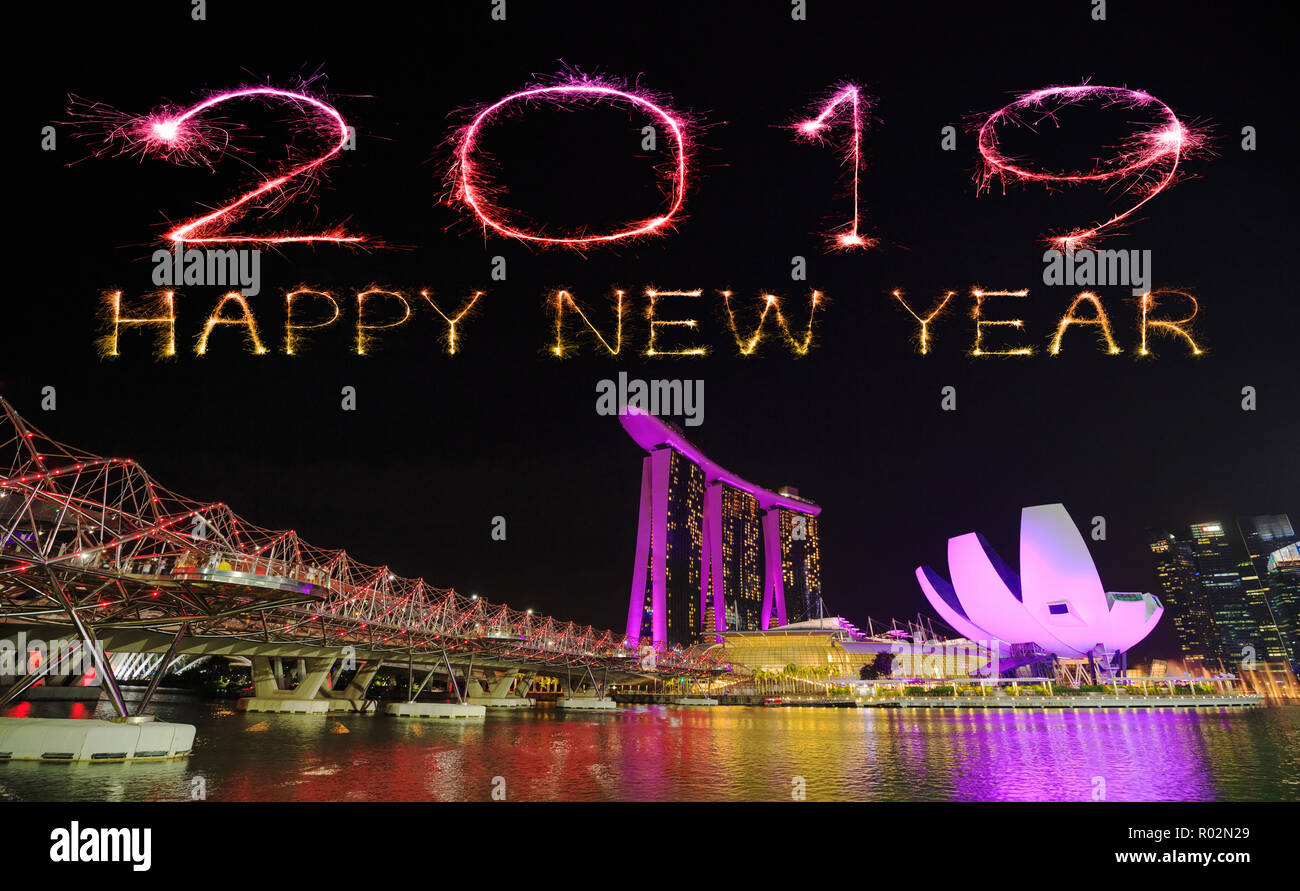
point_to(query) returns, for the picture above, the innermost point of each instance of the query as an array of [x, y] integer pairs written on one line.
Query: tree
[[880, 667]]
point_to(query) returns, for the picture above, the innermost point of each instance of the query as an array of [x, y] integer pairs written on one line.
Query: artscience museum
[[1056, 602]]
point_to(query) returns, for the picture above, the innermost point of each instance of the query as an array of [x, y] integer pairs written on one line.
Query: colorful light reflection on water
[[660, 753]]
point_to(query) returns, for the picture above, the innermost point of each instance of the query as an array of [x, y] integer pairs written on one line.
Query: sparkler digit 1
[[812, 129], [1148, 161], [471, 188], [184, 136]]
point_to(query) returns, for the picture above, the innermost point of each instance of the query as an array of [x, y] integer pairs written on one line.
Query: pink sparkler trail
[[470, 186], [1141, 159], [182, 136], [812, 130]]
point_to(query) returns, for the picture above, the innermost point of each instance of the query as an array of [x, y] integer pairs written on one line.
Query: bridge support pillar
[[360, 683], [266, 676], [355, 690], [496, 692], [585, 696], [163, 664], [306, 697]]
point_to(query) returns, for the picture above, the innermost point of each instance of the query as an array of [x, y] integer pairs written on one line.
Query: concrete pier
[[76, 739], [590, 703], [314, 694], [501, 701], [434, 710], [293, 706]]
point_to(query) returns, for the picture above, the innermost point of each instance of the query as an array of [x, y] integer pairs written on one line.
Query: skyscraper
[[1271, 547], [714, 551], [1186, 602], [1245, 624], [801, 564], [742, 561], [1227, 608], [668, 549]]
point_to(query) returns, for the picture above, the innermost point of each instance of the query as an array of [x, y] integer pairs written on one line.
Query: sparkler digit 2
[[182, 136]]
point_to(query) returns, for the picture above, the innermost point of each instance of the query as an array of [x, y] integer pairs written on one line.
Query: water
[[662, 753]]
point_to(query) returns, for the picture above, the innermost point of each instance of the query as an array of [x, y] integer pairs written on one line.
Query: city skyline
[[1233, 596]]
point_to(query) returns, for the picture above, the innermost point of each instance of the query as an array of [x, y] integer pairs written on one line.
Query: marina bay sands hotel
[[715, 552]]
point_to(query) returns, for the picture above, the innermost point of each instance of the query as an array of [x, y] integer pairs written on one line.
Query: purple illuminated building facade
[[801, 562], [714, 552], [1056, 601], [742, 562]]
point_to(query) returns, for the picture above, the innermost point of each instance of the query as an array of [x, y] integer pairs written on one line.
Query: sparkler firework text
[[471, 188], [813, 128], [379, 310], [1146, 164], [1175, 328], [187, 136]]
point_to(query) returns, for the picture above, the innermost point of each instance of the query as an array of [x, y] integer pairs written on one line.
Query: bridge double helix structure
[[96, 547]]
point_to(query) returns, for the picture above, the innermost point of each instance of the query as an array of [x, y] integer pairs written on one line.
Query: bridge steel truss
[[96, 546]]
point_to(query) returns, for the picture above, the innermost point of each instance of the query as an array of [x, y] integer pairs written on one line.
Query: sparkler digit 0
[[471, 188]]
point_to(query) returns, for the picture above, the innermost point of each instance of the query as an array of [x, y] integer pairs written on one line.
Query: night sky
[[441, 444]]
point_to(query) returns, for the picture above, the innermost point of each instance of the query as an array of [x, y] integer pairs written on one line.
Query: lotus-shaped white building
[[1057, 601]]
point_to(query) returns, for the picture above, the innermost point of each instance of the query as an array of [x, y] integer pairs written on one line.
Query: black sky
[[442, 444]]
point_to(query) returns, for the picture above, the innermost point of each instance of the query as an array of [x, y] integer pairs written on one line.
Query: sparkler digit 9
[[471, 188], [812, 130], [1148, 160]]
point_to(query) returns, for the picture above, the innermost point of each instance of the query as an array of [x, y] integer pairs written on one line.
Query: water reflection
[[700, 754]]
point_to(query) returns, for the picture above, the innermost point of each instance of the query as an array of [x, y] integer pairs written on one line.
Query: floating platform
[[70, 740], [63, 694], [589, 703], [501, 701], [697, 700], [434, 710], [292, 706]]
